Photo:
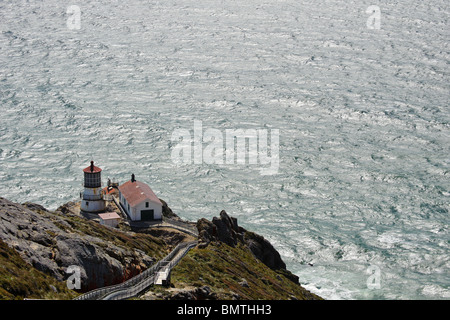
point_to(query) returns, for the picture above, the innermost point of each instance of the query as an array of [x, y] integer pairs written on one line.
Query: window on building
[[87, 203], [146, 204]]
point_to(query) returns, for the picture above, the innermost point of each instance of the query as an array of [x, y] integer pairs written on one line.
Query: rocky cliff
[[37, 246], [231, 263], [225, 229], [51, 241]]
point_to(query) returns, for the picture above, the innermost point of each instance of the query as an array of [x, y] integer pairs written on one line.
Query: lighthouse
[[92, 198]]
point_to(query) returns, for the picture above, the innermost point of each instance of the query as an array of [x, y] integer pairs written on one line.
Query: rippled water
[[363, 116]]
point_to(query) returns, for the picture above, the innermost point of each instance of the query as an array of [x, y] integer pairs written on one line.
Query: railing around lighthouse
[[108, 197]]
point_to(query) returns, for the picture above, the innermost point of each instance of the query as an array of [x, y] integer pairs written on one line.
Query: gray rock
[[236, 297], [205, 293], [244, 283], [200, 293], [37, 236], [226, 229], [182, 295], [264, 251]]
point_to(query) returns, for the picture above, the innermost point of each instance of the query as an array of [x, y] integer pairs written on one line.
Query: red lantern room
[[92, 176]]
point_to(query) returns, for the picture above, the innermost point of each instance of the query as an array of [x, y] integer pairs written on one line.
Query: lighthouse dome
[[92, 169]]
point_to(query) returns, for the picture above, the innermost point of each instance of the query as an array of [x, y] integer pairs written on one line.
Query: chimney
[[92, 166], [132, 178]]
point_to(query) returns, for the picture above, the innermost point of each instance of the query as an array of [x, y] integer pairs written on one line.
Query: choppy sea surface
[[359, 208]]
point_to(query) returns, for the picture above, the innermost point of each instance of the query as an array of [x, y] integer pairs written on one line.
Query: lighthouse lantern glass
[[92, 180]]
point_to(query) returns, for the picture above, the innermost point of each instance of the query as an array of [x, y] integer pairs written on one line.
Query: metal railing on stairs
[[180, 225], [142, 281]]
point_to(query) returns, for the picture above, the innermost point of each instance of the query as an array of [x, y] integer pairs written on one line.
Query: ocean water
[[359, 208]]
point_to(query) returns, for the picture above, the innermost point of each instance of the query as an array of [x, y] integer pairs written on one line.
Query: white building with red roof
[[139, 201], [110, 219]]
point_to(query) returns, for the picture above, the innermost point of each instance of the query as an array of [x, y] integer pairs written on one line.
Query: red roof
[[92, 168], [109, 216], [136, 192], [109, 190]]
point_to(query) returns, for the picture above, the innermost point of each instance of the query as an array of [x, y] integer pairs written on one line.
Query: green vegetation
[[212, 271], [149, 244], [223, 269], [19, 280]]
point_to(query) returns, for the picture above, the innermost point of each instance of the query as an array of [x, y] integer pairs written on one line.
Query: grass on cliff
[[223, 269], [152, 246], [19, 280]]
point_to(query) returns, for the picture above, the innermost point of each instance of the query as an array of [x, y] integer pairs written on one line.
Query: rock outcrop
[[226, 229], [50, 242], [264, 251], [223, 228], [200, 293]]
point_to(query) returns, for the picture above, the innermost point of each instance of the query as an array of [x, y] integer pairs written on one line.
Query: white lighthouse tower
[[92, 198]]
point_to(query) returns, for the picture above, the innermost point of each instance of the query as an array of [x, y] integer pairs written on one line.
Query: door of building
[[147, 215]]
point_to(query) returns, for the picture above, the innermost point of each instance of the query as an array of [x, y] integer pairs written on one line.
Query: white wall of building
[[135, 212], [92, 200], [92, 193], [92, 206], [110, 222], [157, 209], [125, 206]]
